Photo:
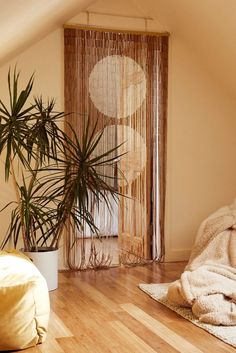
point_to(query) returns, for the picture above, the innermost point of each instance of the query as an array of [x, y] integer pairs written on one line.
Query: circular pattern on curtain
[[132, 146], [117, 86]]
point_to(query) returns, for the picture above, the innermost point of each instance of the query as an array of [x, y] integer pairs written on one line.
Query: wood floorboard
[[105, 312]]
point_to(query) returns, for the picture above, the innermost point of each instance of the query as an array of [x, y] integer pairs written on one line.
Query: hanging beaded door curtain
[[120, 81]]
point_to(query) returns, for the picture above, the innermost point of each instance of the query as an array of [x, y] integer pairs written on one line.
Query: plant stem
[[31, 184], [56, 239], [18, 197]]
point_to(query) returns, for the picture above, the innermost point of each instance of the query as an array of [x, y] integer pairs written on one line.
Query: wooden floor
[[104, 311]]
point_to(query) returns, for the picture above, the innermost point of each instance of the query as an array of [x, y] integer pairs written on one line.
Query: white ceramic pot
[[46, 260]]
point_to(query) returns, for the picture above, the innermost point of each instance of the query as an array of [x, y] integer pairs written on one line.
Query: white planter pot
[[46, 260]]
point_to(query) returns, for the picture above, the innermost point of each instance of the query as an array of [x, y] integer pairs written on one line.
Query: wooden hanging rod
[[102, 29], [116, 15]]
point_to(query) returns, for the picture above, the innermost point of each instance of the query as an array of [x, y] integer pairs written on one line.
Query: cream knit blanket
[[208, 284]]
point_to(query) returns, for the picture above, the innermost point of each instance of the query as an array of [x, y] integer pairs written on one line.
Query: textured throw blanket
[[208, 284]]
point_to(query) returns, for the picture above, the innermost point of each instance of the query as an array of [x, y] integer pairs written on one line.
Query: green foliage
[[14, 122], [61, 175]]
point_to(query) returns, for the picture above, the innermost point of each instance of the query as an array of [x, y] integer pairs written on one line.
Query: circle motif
[[133, 147], [117, 86]]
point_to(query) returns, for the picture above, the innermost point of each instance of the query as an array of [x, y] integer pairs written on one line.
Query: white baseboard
[[177, 255]]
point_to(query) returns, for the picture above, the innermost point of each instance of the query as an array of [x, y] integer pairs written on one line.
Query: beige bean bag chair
[[24, 303]]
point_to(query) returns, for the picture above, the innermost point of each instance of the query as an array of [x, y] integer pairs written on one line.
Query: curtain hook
[[146, 23], [87, 12]]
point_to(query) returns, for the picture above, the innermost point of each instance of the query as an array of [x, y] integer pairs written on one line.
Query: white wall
[[201, 163], [201, 130]]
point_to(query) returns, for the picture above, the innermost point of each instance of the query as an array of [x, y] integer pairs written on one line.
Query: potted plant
[[57, 177]]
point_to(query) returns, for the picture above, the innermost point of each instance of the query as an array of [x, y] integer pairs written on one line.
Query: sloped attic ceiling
[[207, 27], [22, 22]]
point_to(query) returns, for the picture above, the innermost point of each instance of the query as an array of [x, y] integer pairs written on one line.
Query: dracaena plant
[[60, 176]]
